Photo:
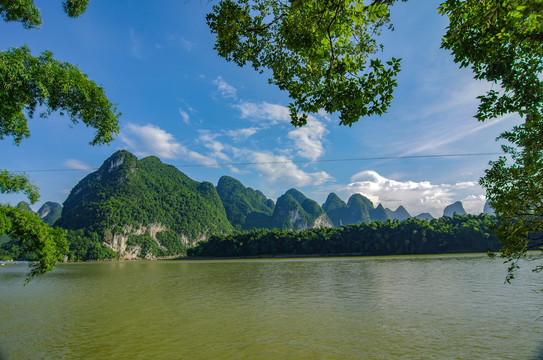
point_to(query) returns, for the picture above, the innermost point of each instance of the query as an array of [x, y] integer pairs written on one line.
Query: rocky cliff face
[[118, 241]]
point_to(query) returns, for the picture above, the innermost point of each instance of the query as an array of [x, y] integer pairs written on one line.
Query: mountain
[[399, 214], [23, 205], [488, 209], [50, 212], [425, 216], [140, 208], [294, 211], [336, 209], [455, 208], [379, 214], [245, 208], [358, 209]]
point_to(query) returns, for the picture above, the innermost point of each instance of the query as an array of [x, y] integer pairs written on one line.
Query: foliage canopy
[[321, 52], [26, 83], [502, 42]]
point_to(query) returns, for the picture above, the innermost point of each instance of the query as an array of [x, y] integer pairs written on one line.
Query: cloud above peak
[[152, 140], [308, 139], [278, 168], [416, 197]]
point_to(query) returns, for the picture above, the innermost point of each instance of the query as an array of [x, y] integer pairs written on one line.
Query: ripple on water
[[349, 308]]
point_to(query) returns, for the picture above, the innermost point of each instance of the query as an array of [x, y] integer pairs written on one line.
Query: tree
[[28, 82], [321, 52], [502, 42]]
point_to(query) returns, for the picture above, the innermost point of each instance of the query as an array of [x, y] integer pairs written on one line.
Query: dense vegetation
[[468, 233], [245, 208], [294, 211], [126, 195], [146, 209], [359, 209]]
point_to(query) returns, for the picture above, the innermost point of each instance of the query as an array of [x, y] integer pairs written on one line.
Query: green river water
[[431, 307]]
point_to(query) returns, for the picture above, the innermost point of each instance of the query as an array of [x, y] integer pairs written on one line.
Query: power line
[[405, 157]]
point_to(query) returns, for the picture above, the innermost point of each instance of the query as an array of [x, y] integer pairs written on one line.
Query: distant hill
[[140, 208], [245, 208], [144, 208], [48, 212], [425, 216], [358, 210], [455, 208], [294, 211], [399, 214], [23, 205], [336, 209], [488, 209]]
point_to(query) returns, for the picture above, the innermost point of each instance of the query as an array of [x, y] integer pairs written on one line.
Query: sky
[[183, 103]]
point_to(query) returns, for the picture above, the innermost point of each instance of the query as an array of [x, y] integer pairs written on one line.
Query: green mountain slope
[[336, 209], [23, 205], [245, 208], [294, 211], [399, 214], [359, 210], [455, 208], [379, 214], [50, 212], [140, 208]]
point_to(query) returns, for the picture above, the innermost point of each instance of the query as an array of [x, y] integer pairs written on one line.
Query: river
[[412, 307]]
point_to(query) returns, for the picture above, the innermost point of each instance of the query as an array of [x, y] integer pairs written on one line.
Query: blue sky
[[192, 109]]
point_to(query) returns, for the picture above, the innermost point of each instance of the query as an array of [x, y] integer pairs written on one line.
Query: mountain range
[[145, 208]]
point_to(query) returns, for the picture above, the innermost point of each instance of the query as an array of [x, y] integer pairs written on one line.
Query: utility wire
[[291, 161]]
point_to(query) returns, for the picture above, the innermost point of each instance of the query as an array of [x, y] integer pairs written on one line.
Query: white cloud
[[308, 139], [136, 45], [152, 140], [187, 45], [184, 115], [77, 165], [280, 169], [474, 204], [179, 40], [199, 158], [216, 147], [264, 111], [226, 90], [416, 197], [242, 134], [459, 93], [447, 134]]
